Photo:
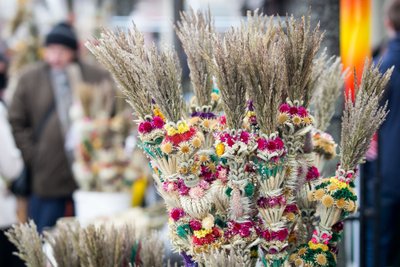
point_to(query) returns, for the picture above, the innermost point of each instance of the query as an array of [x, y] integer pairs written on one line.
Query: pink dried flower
[[279, 143], [244, 137], [312, 173], [284, 108], [262, 144], [145, 127], [302, 112], [158, 122], [204, 184], [176, 213], [196, 192]]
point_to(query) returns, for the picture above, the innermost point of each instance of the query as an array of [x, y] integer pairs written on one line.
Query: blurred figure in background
[[386, 168], [39, 115], [10, 167]]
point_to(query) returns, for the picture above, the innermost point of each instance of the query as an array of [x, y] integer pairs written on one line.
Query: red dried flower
[[302, 112], [195, 225], [176, 214]]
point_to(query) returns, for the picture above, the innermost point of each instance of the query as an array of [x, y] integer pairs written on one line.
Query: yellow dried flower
[[307, 120], [202, 233], [350, 206], [215, 96], [317, 246], [194, 120], [220, 149], [327, 201], [283, 117], [203, 158], [332, 187], [183, 127], [298, 262], [290, 216], [184, 148], [341, 203], [296, 120], [196, 142], [206, 123], [166, 148], [293, 257], [319, 194], [302, 251], [321, 259], [183, 170]]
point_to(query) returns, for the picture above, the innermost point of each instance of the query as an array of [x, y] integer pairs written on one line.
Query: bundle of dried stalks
[[330, 83], [299, 48], [224, 258], [195, 31], [362, 118], [102, 245], [262, 69], [29, 244], [228, 58], [124, 55], [166, 74]]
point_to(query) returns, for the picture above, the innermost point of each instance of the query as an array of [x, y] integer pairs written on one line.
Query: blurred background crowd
[[67, 138]]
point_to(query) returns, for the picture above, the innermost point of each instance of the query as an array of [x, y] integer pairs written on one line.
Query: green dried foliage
[[362, 118], [195, 31], [263, 70], [329, 85], [29, 244], [167, 76], [300, 46], [124, 55]]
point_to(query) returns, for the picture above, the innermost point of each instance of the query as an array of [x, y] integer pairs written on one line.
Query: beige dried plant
[[29, 244], [125, 56], [262, 69], [329, 86], [63, 242], [166, 75], [300, 47], [363, 116], [228, 57], [195, 31], [224, 258]]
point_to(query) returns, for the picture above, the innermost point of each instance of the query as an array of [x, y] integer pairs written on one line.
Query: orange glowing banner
[[355, 30]]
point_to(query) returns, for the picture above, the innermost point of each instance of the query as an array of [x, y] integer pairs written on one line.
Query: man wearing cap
[[39, 116]]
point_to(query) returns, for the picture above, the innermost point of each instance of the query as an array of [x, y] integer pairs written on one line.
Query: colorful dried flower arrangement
[[101, 162], [247, 180]]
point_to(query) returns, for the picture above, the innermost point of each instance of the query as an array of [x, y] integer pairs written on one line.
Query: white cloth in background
[[11, 165]]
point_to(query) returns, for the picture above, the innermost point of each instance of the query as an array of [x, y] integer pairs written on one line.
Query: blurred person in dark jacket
[[42, 103], [385, 169]]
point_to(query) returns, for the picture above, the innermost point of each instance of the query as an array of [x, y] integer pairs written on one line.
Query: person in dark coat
[[385, 170], [43, 99]]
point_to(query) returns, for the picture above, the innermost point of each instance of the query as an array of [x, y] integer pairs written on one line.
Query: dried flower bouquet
[[247, 179]]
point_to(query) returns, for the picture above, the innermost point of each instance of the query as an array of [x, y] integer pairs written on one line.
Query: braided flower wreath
[[240, 167]]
